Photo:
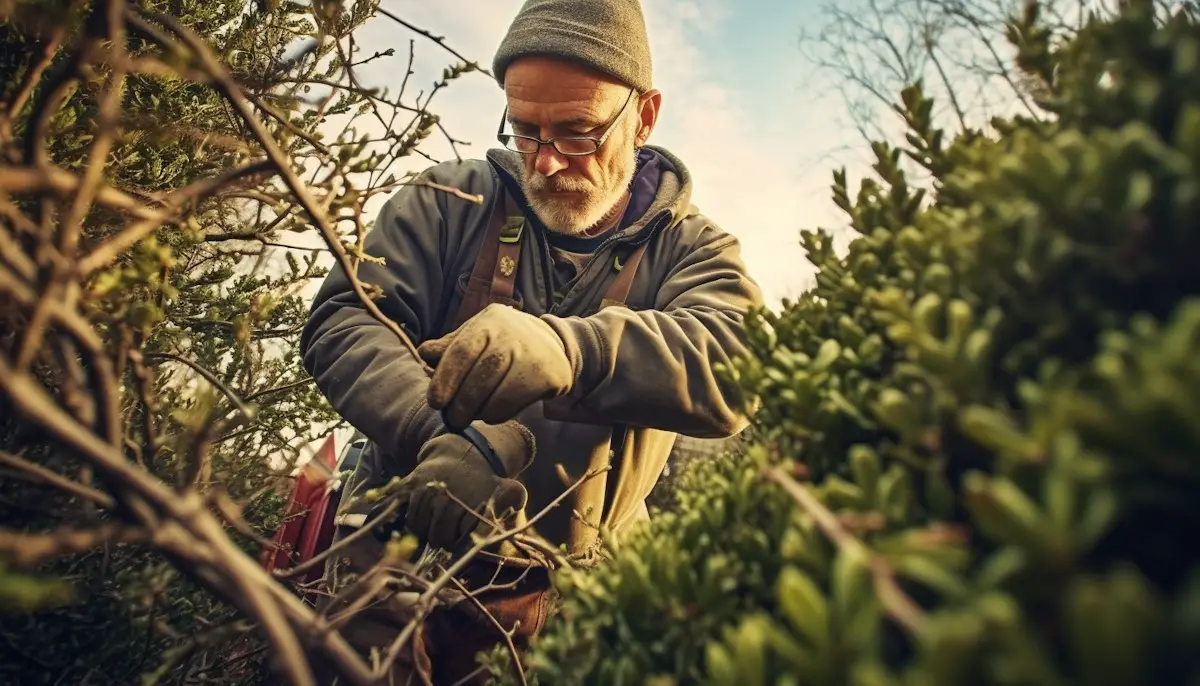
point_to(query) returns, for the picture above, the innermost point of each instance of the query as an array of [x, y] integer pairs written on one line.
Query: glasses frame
[[505, 138]]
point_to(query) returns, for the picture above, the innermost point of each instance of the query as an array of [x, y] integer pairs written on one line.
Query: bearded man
[[573, 321]]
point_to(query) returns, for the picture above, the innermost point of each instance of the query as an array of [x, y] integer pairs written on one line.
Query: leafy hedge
[[977, 459], [123, 614]]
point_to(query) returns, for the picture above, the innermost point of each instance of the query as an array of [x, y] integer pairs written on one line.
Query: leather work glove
[[499, 362], [437, 518]]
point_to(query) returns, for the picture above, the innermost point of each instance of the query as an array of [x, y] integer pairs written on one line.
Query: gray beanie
[[606, 35]]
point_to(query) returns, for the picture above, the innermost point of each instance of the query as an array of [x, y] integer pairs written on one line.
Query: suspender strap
[[504, 278], [616, 296], [618, 291], [493, 278]]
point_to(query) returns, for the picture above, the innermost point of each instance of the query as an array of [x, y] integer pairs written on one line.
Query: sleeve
[[361, 366], [655, 367]]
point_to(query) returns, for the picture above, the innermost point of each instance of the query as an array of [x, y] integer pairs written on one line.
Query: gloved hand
[[499, 362], [437, 518]]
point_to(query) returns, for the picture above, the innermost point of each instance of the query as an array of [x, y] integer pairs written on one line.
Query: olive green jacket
[[648, 366]]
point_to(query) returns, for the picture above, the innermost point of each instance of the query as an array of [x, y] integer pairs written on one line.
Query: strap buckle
[[513, 226]]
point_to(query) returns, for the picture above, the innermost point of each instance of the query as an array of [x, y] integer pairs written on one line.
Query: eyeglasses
[[566, 145]]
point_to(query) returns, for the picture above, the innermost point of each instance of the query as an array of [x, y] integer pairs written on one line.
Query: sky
[[738, 108]]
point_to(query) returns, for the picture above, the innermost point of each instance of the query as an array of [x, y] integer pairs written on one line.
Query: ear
[[649, 104]]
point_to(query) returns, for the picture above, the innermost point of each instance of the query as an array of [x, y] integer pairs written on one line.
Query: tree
[[872, 49], [171, 174], [976, 459]]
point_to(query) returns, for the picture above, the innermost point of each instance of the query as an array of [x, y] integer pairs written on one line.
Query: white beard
[[575, 215]]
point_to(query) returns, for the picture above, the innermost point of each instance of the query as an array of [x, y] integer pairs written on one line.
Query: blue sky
[[740, 107]]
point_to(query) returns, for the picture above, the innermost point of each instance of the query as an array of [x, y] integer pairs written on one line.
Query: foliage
[[148, 426], [976, 458]]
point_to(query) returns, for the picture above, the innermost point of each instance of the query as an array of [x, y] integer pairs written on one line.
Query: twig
[[469, 197], [246, 410], [49, 50], [307, 381], [30, 550], [336, 548], [459, 565], [108, 251], [440, 40], [895, 601], [40, 474], [232, 92], [507, 633], [16, 180], [107, 116]]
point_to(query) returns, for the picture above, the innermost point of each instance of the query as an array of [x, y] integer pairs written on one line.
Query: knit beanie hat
[[606, 35]]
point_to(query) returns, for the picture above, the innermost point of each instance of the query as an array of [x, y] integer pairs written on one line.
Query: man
[[546, 384]]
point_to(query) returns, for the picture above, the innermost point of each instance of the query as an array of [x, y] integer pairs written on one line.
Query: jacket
[[648, 366]]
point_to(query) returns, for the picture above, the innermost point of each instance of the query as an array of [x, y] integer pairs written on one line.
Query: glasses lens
[[520, 143], [575, 146]]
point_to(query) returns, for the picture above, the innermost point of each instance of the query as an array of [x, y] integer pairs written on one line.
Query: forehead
[[547, 92]]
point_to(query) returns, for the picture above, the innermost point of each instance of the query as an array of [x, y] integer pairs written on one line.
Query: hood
[[669, 197]]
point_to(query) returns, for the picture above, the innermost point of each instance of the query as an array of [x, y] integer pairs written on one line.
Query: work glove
[[452, 459], [499, 362]]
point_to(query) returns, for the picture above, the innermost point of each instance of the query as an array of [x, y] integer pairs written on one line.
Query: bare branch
[[39, 474], [106, 273], [895, 601], [424, 602], [30, 550], [231, 91], [440, 40]]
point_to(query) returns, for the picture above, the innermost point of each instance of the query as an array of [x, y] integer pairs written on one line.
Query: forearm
[[659, 374], [362, 367], [371, 380], [656, 367]]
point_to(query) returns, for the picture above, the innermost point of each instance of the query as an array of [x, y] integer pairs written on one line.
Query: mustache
[[556, 184]]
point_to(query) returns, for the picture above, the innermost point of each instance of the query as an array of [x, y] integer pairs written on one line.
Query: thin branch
[[39, 474], [440, 40], [17, 180], [461, 563], [108, 251], [950, 91], [336, 548], [232, 92], [895, 601], [30, 550], [246, 410], [49, 50], [506, 633], [307, 381]]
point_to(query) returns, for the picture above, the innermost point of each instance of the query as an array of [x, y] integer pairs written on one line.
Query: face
[[548, 98]]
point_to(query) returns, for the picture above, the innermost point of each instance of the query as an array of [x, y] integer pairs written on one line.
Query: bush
[[152, 402], [977, 459]]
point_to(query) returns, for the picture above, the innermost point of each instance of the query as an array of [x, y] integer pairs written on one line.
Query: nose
[[549, 161]]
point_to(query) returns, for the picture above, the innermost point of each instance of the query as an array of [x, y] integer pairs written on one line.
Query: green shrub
[[977, 459]]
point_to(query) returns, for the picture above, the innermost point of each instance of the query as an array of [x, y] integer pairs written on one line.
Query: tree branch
[[895, 601], [30, 550], [39, 474]]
